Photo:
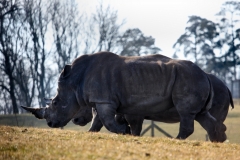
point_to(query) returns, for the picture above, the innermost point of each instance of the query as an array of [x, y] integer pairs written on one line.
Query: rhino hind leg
[[215, 129], [186, 126]]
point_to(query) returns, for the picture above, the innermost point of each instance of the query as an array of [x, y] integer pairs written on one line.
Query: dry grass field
[[51, 144]]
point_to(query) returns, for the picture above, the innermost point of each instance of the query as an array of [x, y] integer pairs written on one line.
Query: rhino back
[[140, 82], [131, 82]]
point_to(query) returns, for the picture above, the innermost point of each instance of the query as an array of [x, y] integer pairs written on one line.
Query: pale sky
[[165, 20]]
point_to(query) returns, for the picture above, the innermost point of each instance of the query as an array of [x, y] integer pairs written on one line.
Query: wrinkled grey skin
[[220, 106], [219, 110], [140, 86]]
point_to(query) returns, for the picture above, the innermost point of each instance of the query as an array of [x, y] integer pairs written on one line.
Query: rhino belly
[[169, 116], [146, 105]]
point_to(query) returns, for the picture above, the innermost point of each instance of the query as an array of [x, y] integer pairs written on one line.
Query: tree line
[[39, 37], [214, 46]]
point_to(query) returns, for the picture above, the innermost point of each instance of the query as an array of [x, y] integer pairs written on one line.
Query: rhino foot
[[218, 135]]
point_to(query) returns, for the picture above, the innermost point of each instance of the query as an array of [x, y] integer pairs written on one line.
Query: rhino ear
[[48, 101], [66, 71], [37, 112]]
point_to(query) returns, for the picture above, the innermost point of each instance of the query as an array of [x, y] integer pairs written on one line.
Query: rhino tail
[[231, 99], [210, 96]]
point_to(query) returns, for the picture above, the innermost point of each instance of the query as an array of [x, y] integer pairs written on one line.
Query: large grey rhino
[[144, 85], [219, 110]]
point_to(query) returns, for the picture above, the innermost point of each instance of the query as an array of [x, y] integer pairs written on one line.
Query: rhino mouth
[[56, 124], [80, 121]]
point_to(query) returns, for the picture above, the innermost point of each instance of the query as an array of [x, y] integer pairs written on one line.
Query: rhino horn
[[38, 112]]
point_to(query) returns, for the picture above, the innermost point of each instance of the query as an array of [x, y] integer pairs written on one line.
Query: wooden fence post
[[152, 126]]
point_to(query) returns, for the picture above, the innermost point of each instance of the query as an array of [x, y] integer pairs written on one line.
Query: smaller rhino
[[96, 124], [90, 115]]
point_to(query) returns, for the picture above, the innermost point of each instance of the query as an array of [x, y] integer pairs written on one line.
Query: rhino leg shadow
[[215, 129]]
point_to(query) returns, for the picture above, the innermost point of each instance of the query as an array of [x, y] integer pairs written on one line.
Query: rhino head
[[83, 117], [63, 107]]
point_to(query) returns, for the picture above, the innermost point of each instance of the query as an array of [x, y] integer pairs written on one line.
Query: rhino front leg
[[96, 124], [106, 113], [135, 123]]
